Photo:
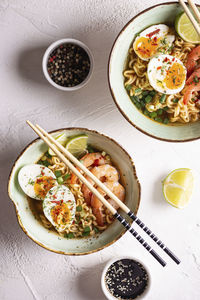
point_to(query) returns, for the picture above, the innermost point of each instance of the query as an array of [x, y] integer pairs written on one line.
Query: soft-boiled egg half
[[153, 40], [59, 207], [36, 180], [166, 74]]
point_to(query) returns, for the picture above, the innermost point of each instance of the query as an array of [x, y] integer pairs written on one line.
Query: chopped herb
[[166, 121], [148, 99], [196, 79], [66, 176], [86, 229], [44, 163], [158, 120], [31, 182], [90, 149], [79, 208], [86, 233], [129, 87], [152, 93], [58, 173], [175, 100], [153, 114], [159, 112], [69, 235], [146, 112], [166, 108], [145, 93], [162, 98], [48, 155], [96, 229], [138, 90], [60, 180]]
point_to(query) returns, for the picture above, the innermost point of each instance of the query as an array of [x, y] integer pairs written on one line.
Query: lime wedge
[[178, 186], [77, 145], [185, 29], [62, 139]]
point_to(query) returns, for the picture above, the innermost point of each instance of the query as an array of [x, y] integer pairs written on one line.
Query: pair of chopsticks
[[190, 15], [65, 156]]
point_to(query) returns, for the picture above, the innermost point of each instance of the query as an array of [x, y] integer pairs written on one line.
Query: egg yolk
[[42, 185], [146, 47], [61, 214], [176, 75]]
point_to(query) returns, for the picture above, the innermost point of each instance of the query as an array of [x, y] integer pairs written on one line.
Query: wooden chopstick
[[190, 16], [93, 190], [195, 9], [111, 195]]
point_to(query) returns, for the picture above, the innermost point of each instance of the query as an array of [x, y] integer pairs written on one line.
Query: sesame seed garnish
[[126, 279]]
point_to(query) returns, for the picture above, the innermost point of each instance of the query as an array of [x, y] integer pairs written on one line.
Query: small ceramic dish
[[106, 291], [49, 239], [158, 14], [55, 45]]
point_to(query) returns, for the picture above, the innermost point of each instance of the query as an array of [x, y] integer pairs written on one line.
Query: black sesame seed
[[68, 65], [126, 279]]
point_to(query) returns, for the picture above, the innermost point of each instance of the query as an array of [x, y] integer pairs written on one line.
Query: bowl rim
[[51, 48], [16, 210], [109, 84], [113, 260]]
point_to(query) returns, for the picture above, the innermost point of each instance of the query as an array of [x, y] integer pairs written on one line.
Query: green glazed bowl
[[50, 240], [161, 13]]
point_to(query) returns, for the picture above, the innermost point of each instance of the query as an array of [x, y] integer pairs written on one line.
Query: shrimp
[[193, 85], [105, 173], [97, 205], [90, 159], [193, 59], [86, 192]]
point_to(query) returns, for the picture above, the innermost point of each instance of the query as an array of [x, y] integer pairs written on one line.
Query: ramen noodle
[[162, 107], [85, 223]]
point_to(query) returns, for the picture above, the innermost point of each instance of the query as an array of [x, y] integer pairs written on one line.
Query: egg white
[[58, 193], [163, 33], [156, 76], [29, 174]]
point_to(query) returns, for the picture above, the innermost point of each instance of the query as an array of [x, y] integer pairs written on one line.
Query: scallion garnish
[[162, 98]]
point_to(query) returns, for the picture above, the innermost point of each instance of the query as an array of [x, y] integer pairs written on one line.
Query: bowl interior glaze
[[162, 13], [50, 240]]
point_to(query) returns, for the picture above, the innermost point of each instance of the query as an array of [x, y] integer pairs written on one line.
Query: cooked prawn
[[192, 85], [90, 159], [97, 206], [106, 173], [86, 192], [193, 60]]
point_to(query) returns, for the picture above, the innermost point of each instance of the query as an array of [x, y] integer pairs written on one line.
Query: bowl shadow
[[158, 197], [29, 64], [89, 283]]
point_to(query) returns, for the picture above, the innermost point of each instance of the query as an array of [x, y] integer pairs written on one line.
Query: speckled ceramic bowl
[[50, 240], [161, 13]]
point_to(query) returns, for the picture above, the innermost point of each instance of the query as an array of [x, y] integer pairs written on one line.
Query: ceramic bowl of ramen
[[87, 233], [148, 73]]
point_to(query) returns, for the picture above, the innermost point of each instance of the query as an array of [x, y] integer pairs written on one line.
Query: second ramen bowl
[[49, 239], [158, 14]]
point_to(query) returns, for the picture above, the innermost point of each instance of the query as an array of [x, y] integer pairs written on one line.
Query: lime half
[[185, 29], [77, 145], [62, 139], [178, 186]]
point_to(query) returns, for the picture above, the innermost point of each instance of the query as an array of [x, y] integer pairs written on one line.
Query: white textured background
[[26, 270]]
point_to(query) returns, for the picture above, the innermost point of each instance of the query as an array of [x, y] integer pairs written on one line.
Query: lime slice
[[62, 139], [178, 186], [185, 29], [77, 145]]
